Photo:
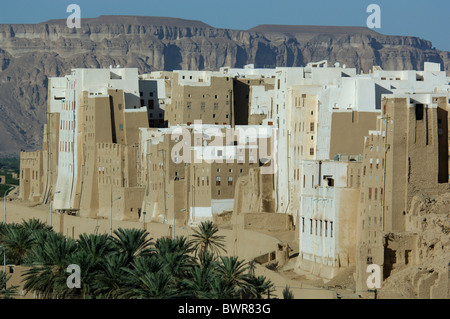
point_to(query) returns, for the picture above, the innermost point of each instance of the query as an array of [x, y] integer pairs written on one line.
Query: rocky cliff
[[31, 53]]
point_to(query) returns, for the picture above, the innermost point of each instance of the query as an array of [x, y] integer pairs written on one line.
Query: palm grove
[[128, 264]]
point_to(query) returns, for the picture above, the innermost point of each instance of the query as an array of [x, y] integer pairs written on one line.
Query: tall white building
[[96, 82]]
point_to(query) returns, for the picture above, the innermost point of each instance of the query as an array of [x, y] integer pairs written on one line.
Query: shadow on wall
[[378, 91]]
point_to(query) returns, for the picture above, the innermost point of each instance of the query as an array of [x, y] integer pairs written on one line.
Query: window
[[218, 181], [214, 116], [230, 181], [310, 226], [188, 105], [303, 224], [202, 106], [311, 127], [407, 256], [419, 112], [216, 106], [311, 151], [329, 180], [331, 229]]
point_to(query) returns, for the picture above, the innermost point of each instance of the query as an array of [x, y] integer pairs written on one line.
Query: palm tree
[[175, 255], [206, 238], [138, 269], [146, 264], [19, 238], [132, 243], [207, 260], [287, 293], [257, 286], [219, 289], [49, 259], [110, 280], [91, 252], [18, 243], [157, 285], [199, 284], [34, 225], [4, 228], [232, 271], [11, 291]]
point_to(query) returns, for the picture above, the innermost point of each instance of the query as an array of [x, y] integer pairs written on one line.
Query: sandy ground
[[244, 243]]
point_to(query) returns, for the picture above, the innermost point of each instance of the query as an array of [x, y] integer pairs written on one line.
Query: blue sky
[[426, 19]]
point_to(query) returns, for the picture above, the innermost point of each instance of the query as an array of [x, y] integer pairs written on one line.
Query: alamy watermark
[[373, 20], [74, 280], [74, 20], [374, 279]]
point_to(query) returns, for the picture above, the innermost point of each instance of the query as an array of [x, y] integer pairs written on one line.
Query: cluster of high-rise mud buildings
[[342, 156]]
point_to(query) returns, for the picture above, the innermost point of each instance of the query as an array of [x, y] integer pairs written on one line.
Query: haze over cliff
[[30, 53]]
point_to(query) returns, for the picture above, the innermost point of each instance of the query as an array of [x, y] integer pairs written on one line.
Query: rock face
[[427, 277], [31, 53]]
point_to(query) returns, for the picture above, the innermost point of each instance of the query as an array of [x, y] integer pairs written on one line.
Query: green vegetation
[[10, 164], [3, 189], [11, 291], [129, 264], [287, 293], [9, 179]]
